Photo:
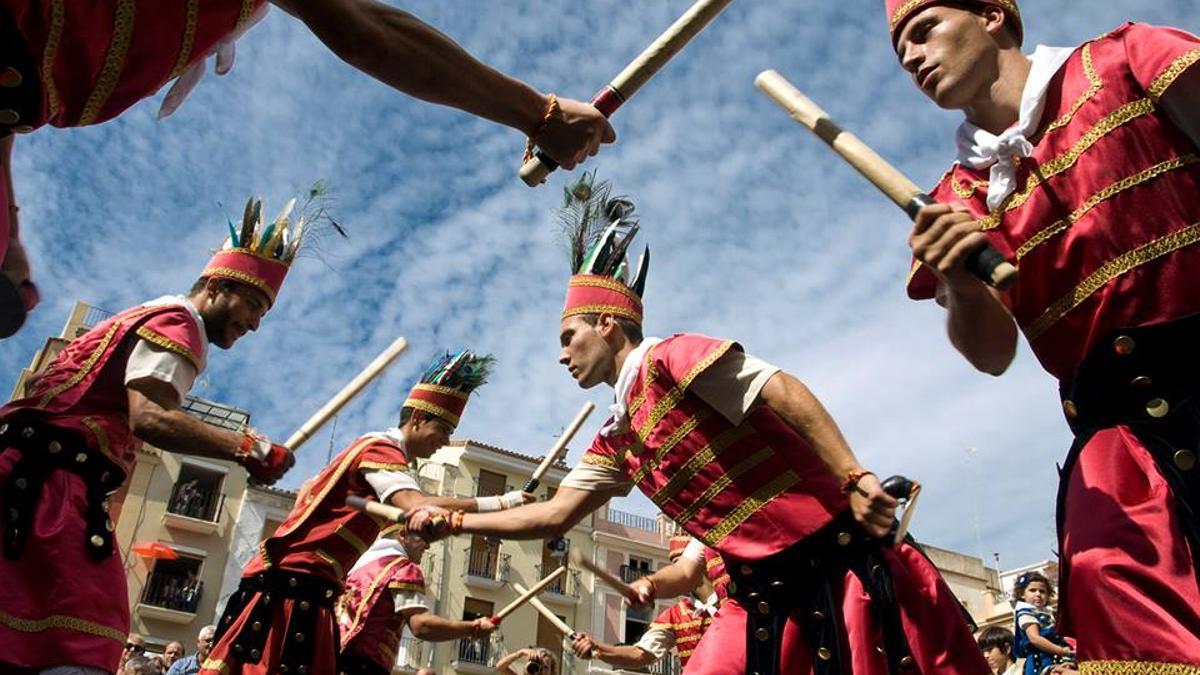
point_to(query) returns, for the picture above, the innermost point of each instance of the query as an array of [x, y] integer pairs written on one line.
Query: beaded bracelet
[[456, 521], [851, 483], [552, 109]]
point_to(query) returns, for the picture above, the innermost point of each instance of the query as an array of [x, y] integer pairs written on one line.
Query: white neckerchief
[[183, 301], [393, 434], [981, 149], [187, 81], [625, 379], [383, 547], [708, 607]]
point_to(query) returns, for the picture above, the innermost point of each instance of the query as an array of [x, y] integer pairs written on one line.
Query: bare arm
[[542, 520], [1042, 644], [411, 499], [621, 656], [430, 627], [678, 578], [156, 418], [1181, 102], [502, 666]]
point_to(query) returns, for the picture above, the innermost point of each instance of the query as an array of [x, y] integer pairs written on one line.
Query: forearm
[[981, 328], [623, 656], [507, 660], [533, 521], [801, 410], [410, 499], [434, 628], [176, 431], [404, 52], [1043, 645], [678, 578]]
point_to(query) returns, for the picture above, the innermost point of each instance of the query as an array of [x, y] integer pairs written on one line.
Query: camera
[[533, 667]]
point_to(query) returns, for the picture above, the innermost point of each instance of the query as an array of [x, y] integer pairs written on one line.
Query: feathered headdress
[[599, 229], [448, 382], [260, 252]]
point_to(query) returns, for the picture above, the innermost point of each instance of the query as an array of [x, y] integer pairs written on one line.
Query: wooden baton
[[385, 511], [529, 594], [550, 616], [348, 392], [985, 263], [559, 447], [605, 576], [906, 492], [636, 74]]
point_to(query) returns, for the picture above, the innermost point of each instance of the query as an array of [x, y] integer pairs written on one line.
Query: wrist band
[[552, 109], [851, 483], [456, 521], [246, 448]]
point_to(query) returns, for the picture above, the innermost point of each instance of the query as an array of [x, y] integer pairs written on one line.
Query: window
[[483, 557], [636, 623], [490, 483], [476, 650], [635, 569], [197, 494], [175, 584]]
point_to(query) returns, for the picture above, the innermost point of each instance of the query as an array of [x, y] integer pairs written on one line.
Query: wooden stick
[[909, 510], [986, 263], [550, 616], [605, 576], [637, 73], [560, 447], [527, 595], [347, 394], [386, 511]]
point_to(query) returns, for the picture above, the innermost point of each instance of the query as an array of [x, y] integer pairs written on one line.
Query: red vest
[[367, 618], [99, 57], [1104, 222], [686, 625], [322, 535], [747, 491], [83, 389]]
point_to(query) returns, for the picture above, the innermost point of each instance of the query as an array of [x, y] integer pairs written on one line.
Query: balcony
[[173, 591], [477, 655], [486, 567], [631, 574], [196, 499], [409, 657], [564, 590], [634, 521], [668, 665]]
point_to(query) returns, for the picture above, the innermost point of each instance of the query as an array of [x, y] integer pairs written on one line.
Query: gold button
[[824, 654], [239, 649], [10, 77], [304, 605], [762, 635], [104, 506], [3, 429], [96, 540], [302, 669], [328, 594], [818, 616], [27, 432], [1158, 408], [764, 608], [844, 538], [1185, 460], [257, 626], [879, 648], [1069, 409], [293, 582], [81, 458], [283, 668], [906, 662], [108, 525], [21, 483], [9, 116], [254, 654], [299, 637], [104, 477], [1141, 381], [746, 570], [1123, 344]]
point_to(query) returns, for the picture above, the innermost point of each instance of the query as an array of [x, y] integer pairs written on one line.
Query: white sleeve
[[1026, 620], [385, 483], [657, 640], [694, 551], [732, 384], [596, 478], [406, 600], [148, 360]]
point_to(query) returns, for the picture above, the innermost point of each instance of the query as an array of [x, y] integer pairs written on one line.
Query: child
[[996, 643], [1034, 637]]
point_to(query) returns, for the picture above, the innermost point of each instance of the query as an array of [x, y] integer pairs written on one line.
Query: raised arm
[[411, 499], [543, 520], [430, 627], [404, 52], [621, 656]]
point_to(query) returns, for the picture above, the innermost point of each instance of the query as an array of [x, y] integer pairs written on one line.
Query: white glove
[[502, 502]]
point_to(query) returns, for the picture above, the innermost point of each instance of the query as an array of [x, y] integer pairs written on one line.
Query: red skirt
[[58, 606], [938, 638], [1133, 595], [221, 660]]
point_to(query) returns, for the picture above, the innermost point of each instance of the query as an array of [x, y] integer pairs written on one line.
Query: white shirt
[[148, 360], [386, 482]]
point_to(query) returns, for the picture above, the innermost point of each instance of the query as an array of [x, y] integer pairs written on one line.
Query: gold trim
[[441, 389], [188, 42], [1136, 668], [384, 466], [362, 606], [1109, 271], [101, 437], [707, 454], [598, 460], [596, 281], [749, 507], [406, 586], [114, 61], [238, 275], [675, 395], [602, 309], [84, 369], [647, 379], [217, 665], [668, 445], [58, 20], [1094, 87], [351, 455], [1053, 167], [351, 538], [719, 485], [154, 337], [967, 191], [1103, 195], [61, 622], [245, 13], [1167, 77], [903, 10], [432, 409], [333, 562]]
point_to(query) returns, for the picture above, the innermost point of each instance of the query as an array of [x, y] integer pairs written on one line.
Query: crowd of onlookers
[[1033, 646], [173, 661]]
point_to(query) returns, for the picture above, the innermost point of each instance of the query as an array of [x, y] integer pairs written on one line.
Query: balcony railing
[[487, 563], [632, 520], [566, 585], [667, 665], [631, 574], [171, 591], [188, 500], [409, 655], [477, 651], [94, 316]]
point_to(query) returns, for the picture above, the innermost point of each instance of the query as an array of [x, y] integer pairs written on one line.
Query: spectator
[[187, 495], [172, 653], [134, 646], [140, 665], [426, 671], [190, 665], [1036, 639], [539, 662], [996, 644]]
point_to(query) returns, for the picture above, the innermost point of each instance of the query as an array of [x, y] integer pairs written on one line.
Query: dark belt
[[353, 664], [1147, 378], [20, 88], [44, 449], [310, 592], [804, 578]]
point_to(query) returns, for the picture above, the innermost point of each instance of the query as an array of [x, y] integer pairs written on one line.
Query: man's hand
[[270, 467], [874, 509], [943, 237], [431, 522], [644, 594], [583, 645], [575, 133], [484, 626]]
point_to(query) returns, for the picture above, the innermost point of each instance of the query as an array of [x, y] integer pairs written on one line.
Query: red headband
[[239, 264], [596, 294]]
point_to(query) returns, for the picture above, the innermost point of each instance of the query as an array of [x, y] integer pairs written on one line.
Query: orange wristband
[[552, 109], [851, 483]]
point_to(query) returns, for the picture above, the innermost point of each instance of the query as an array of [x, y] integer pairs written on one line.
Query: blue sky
[[758, 234]]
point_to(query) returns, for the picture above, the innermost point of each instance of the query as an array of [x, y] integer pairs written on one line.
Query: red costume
[[1103, 220], [68, 444], [683, 624], [370, 620], [756, 492]]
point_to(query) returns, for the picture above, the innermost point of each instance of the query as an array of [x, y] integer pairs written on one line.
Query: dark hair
[[222, 285], [1027, 578], [997, 637], [629, 327]]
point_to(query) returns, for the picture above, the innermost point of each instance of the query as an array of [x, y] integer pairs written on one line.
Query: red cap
[[239, 264], [900, 11], [444, 402], [596, 294]]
